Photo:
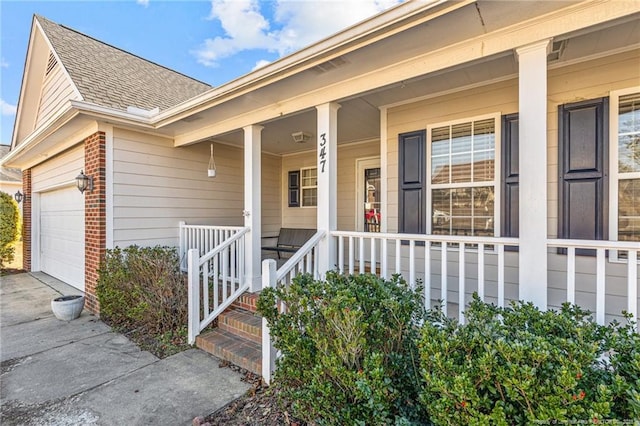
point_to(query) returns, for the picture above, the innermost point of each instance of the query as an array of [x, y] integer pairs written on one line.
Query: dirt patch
[[259, 406]]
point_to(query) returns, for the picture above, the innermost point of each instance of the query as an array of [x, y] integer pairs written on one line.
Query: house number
[[323, 151]]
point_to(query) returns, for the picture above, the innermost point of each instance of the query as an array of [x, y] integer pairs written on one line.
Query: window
[[309, 187], [625, 166], [462, 191]]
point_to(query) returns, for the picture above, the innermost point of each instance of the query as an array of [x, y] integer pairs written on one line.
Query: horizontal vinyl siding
[[56, 90], [296, 217], [155, 186], [271, 194], [588, 80], [59, 170]]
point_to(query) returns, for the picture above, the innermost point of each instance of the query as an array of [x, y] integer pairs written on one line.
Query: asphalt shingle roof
[[111, 77]]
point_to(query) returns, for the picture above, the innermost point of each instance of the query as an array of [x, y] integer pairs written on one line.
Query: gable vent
[[51, 64], [329, 65]]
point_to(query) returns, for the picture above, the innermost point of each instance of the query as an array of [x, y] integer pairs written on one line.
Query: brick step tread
[[247, 301], [242, 323], [230, 347]]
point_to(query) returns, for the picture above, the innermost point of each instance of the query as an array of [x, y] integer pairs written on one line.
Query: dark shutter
[[582, 165], [294, 188], [510, 176], [412, 186]]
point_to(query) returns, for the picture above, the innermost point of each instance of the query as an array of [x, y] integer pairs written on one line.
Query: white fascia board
[[112, 114], [62, 117], [356, 36]]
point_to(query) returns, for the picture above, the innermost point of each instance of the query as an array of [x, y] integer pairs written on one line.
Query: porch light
[[301, 137], [211, 170], [19, 196], [84, 182]]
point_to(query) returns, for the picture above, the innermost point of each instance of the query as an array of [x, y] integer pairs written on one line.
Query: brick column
[[26, 220], [95, 212]]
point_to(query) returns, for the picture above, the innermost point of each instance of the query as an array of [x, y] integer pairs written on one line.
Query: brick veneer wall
[[26, 220], [95, 212]]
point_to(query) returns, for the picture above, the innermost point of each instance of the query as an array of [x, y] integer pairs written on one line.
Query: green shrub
[[348, 347], [520, 365], [9, 227], [143, 288]]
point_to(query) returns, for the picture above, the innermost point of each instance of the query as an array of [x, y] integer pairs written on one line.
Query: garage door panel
[[62, 235]]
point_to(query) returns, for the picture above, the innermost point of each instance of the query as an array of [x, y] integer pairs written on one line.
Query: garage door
[[62, 235]]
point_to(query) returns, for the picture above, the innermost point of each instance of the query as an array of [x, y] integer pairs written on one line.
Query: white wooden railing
[[202, 237], [303, 261], [614, 248], [216, 280], [387, 254]]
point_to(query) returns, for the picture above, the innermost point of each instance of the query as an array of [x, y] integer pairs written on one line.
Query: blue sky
[[213, 41]]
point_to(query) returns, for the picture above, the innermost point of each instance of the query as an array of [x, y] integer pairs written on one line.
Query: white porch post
[[327, 153], [533, 172], [252, 209]]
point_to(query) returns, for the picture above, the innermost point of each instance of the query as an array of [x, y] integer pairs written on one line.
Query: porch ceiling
[[359, 115]]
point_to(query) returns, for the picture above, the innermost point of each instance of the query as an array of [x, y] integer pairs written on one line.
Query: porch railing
[[386, 254], [303, 261], [202, 237], [216, 280], [623, 251]]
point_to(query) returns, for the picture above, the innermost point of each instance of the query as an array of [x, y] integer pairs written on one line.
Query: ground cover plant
[[143, 293]]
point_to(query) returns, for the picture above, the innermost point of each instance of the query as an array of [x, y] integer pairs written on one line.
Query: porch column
[[252, 210], [533, 172], [327, 152]]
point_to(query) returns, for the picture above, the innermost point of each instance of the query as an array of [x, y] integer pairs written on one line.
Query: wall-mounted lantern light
[[18, 196], [84, 182]]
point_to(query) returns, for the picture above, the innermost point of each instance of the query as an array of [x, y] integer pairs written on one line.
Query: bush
[[143, 288], [519, 366], [348, 347], [9, 227]]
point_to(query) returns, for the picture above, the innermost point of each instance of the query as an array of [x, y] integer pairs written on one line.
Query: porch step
[[233, 348], [247, 301], [242, 323]]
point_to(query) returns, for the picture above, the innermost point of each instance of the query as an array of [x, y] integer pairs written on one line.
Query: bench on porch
[[289, 240]]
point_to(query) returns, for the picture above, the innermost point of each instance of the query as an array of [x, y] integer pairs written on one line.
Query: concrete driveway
[[81, 373]]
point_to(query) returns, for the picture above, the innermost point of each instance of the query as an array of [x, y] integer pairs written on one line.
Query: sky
[[214, 41]]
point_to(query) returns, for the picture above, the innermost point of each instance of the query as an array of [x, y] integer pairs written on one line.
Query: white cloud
[[3, 63], [6, 108], [261, 63], [144, 3], [295, 25]]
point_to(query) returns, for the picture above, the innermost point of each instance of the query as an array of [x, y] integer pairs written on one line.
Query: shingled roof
[[8, 174], [110, 77]]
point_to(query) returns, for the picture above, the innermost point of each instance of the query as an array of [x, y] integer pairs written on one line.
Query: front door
[[368, 215]]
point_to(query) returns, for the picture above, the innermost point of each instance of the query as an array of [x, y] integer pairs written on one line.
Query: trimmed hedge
[[9, 227]]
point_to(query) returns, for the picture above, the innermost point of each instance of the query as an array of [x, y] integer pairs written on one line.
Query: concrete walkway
[[81, 373]]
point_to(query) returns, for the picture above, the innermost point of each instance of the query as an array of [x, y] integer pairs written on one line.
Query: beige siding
[[568, 84], [59, 170], [155, 186], [305, 217], [56, 90], [271, 194]]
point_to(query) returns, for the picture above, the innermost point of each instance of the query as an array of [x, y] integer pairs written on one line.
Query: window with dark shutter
[[411, 191], [294, 188], [582, 166]]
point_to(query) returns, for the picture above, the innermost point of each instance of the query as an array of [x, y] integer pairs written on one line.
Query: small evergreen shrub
[[9, 227], [348, 347], [519, 365], [143, 288]]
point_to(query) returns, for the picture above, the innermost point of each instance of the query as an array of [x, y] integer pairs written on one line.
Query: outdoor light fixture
[[301, 137], [19, 196], [84, 182]]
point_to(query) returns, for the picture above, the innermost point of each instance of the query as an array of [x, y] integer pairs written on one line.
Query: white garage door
[[62, 235]]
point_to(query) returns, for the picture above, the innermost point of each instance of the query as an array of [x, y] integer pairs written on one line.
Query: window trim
[[307, 187], [614, 104], [496, 182]]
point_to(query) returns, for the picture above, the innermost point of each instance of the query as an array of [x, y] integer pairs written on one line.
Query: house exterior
[[10, 178], [473, 146]]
